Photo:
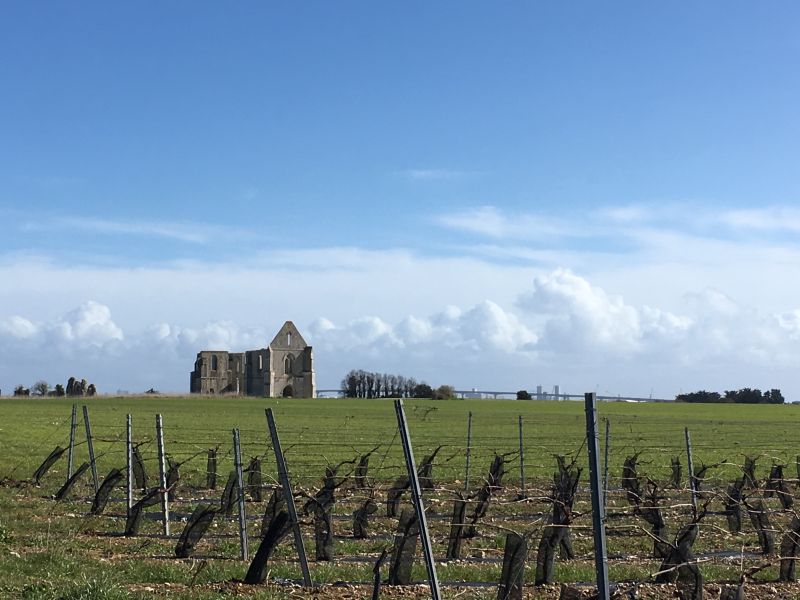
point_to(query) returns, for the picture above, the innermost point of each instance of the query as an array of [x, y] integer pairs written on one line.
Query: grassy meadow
[[52, 550]]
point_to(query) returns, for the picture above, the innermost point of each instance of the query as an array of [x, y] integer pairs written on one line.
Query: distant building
[[285, 368]]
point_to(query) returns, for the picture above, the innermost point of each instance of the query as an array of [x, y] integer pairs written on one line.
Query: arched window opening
[[214, 362], [289, 338], [288, 364], [260, 363]]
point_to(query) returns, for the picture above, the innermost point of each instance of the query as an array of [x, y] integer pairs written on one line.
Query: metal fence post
[[287, 495], [129, 462], [162, 471], [521, 461], [71, 453], [469, 451], [598, 512], [605, 462], [90, 442], [237, 456], [416, 494], [690, 465]]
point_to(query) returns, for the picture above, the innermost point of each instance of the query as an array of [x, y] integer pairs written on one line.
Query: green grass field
[[50, 550]]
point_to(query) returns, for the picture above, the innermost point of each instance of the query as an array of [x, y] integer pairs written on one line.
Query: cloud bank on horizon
[[504, 315]]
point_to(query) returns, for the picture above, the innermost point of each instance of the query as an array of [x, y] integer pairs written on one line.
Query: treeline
[[42, 388], [742, 396], [368, 384]]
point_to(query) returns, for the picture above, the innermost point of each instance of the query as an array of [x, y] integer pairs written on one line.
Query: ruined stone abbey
[[285, 368]]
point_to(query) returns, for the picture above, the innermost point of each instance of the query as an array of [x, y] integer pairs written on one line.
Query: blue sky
[[522, 185]]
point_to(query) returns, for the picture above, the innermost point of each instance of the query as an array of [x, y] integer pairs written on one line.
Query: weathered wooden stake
[[456, 529], [512, 578], [690, 466], [237, 457], [129, 463], [283, 474], [522, 493], [90, 442], [598, 512], [71, 454], [416, 495], [469, 450], [162, 471]]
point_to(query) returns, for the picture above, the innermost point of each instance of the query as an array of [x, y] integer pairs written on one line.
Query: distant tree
[[59, 390], [41, 387], [422, 390], [350, 384], [523, 395], [369, 384], [745, 396], [91, 390], [701, 396], [742, 396], [21, 390], [774, 397], [444, 392]]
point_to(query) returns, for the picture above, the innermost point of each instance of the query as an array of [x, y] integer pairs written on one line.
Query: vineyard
[[505, 486]]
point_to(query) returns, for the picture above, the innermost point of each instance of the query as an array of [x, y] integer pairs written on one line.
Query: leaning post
[[416, 494], [237, 455], [162, 471], [598, 511], [283, 474], [90, 442], [72, 429]]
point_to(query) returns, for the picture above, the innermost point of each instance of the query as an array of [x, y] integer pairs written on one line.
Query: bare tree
[[41, 387]]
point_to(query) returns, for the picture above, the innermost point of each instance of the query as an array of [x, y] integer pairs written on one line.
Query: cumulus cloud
[[563, 327], [484, 327], [575, 313]]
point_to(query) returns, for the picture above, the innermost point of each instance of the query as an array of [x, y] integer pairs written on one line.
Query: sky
[[604, 197]]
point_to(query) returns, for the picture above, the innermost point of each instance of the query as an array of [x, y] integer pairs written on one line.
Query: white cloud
[[492, 222], [18, 328], [89, 324], [187, 232], [566, 330], [576, 313], [774, 218], [649, 313]]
